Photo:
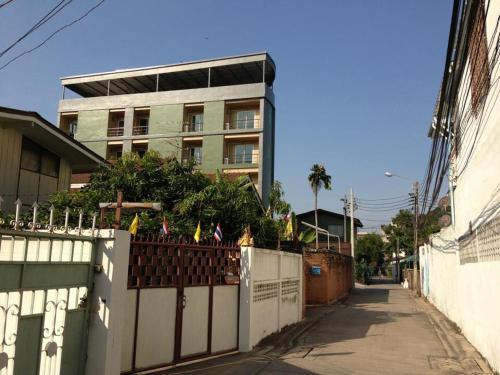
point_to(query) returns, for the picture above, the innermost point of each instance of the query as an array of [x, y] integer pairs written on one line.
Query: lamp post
[[415, 226]]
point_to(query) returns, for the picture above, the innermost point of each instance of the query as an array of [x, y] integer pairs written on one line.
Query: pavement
[[379, 329]]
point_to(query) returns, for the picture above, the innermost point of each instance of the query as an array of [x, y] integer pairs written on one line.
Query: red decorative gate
[[183, 302]]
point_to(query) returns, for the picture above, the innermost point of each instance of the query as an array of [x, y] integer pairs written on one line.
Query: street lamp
[[415, 226]]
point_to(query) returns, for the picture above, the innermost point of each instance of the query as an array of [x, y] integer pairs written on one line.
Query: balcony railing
[[115, 132], [188, 158], [140, 130], [252, 158], [242, 124], [198, 127]]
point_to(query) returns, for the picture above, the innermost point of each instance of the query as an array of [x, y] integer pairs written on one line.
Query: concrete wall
[[108, 314], [334, 281], [460, 267], [92, 129], [467, 294], [270, 293]]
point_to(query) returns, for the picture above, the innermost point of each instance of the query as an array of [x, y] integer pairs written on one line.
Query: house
[[460, 266], [335, 223], [36, 158], [218, 114]]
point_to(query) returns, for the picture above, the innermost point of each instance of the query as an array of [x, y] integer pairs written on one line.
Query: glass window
[[245, 119], [121, 123], [195, 153], [144, 122], [243, 153], [73, 125], [197, 122]]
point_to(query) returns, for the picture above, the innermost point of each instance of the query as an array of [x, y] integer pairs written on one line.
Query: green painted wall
[[166, 119], [213, 116], [166, 146], [93, 125], [213, 146]]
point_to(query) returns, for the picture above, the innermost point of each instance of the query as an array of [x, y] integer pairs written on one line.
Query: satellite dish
[[444, 202], [444, 221]]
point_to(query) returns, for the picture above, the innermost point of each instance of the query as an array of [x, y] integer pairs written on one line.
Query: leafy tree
[[187, 197], [318, 178], [370, 248], [402, 227]]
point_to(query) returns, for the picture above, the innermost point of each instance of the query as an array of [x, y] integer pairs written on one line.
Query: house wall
[[460, 267], [10, 157], [324, 220], [334, 281], [26, 185]]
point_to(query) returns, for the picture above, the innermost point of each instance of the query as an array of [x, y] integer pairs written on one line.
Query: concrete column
[[109, 300], [128, 129], [246, 300], [262, 151]]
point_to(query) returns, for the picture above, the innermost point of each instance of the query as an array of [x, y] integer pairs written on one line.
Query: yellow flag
[[197, 234], [289, 228], [134, 225]]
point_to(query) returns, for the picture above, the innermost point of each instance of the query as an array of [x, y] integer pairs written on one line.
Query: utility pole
[[352, 239], [415, 239], [345, 218], [397, 260]]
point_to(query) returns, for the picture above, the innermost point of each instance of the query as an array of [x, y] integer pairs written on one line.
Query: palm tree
[[318, 179]]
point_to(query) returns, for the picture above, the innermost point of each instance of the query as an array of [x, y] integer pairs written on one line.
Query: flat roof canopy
[[236, 70]]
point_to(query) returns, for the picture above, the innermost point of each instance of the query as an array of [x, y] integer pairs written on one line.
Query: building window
[[243, 153], [73, 125], [140, 149], [196, 122], [336, 229], [245, 119], [478, 59], [114, 152]]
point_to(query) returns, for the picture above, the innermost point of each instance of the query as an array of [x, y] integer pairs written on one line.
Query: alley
[[380, 329]]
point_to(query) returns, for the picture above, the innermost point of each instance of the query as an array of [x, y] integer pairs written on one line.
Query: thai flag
[[165, 227], [218, 233]]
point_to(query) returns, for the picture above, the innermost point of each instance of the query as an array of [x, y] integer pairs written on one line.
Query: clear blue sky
[[355, 87]]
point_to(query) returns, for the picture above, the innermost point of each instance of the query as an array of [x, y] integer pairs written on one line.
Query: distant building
[[216, 113], [332, 222], [36, 158]]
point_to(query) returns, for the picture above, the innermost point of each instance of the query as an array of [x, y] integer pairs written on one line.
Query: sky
[[355, 85]]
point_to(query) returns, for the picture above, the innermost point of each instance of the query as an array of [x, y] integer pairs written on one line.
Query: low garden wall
[[328, 277]]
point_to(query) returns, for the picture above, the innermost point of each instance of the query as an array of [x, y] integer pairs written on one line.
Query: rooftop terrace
[[226, 71]]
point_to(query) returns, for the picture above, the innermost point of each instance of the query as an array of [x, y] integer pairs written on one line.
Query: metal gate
[[192, 293], [45, 286]]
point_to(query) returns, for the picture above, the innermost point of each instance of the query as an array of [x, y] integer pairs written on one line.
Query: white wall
[[270, 293], [468, 294], [108, 307]]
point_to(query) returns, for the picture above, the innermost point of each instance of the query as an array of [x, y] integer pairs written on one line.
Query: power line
[[59, 6], [52, 35], [5, 3]]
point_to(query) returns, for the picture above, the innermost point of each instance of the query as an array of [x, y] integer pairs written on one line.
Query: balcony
[[115, 131], [188, 128], [140, 130], [242, 158], [188, 157], [242, 124]]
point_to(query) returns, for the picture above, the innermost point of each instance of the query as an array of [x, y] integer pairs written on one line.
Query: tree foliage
[[402, 227], [318, 178], [370, 249], [186, 195]]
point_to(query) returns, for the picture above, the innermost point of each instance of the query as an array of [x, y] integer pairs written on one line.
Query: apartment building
[[216, 113]]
